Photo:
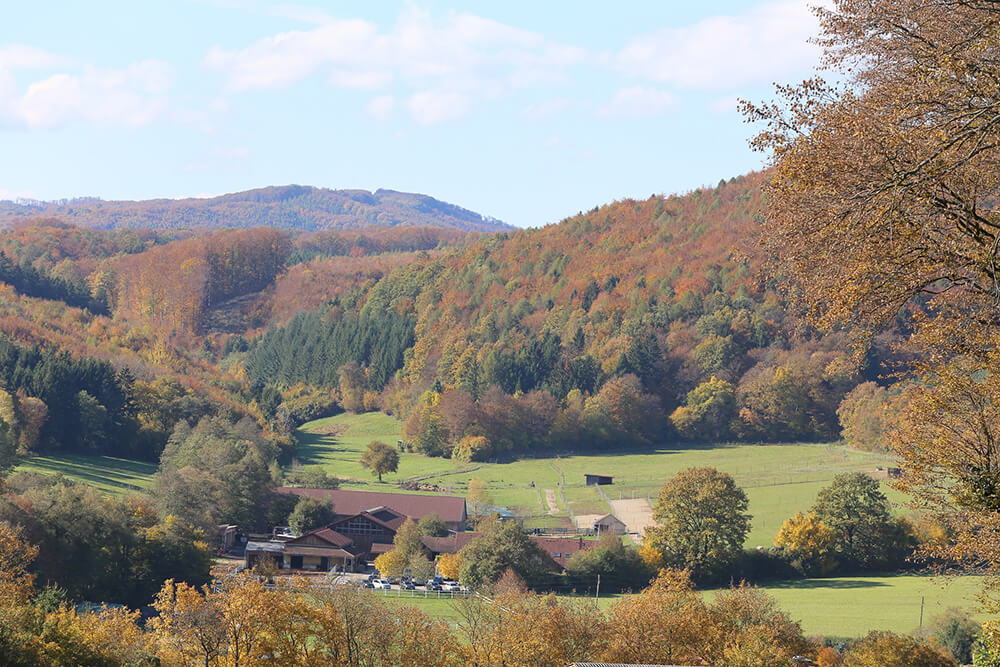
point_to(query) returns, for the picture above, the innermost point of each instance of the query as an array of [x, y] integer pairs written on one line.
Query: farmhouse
[[344, 544], [561, 549], [348, 503], [364, 527]]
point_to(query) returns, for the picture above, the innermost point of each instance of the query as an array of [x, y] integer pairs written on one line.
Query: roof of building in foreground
[[413, 505]]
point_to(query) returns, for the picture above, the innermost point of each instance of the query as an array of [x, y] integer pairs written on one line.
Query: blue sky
[[525, 111]]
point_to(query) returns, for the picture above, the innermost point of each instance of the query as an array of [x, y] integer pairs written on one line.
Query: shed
[[598, 480], [609, 523]]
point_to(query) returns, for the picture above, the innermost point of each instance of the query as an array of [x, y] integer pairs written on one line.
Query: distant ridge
[[286, 207]]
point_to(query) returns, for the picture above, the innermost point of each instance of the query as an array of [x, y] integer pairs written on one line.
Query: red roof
[[564, 546], [448, 545], [416, 506]]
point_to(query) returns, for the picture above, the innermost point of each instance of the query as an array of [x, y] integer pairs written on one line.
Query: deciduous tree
[[701, 521], [380, 458]]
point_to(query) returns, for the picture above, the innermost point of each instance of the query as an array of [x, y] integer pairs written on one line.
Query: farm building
[[598, 480], [347, 503], [609, 523]]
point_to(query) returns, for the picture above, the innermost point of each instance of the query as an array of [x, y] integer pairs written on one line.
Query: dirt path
[[635, 512], [550, 500], [586, 521]]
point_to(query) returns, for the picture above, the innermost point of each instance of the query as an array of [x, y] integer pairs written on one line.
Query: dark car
[[367, 584], [433, 586], [407, 586]]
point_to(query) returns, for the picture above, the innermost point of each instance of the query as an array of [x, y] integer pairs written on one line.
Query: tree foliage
[[882, 206], [309, 514], [503, 546], [380, 458], [701, 522]]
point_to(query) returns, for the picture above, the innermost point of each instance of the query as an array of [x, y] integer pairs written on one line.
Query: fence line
[[402, 593], [562, 484]]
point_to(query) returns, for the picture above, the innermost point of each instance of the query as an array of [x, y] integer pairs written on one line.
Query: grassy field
[[835, 607], [853, 606], [114, 476], [779, 479]]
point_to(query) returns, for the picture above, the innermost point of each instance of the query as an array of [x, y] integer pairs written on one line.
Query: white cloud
[[434, 107], [132, 96], [291, 56], [637, 102], [381, 107], [446, 63], [765, 44]]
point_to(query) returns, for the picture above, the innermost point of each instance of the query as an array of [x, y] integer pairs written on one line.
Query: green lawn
[[835, 607], [779, 479], [853, 606], [114, 476]]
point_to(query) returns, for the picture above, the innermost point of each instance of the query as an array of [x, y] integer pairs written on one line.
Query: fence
[[402, 593], [562, 483]]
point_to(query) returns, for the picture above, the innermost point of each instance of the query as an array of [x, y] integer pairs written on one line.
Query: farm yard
[[780, 479]]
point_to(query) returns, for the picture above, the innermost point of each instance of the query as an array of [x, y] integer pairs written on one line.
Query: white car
[[451, 588], [381, 583]]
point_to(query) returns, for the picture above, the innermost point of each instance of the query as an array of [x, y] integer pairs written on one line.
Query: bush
[[887, 649], [954, 631]]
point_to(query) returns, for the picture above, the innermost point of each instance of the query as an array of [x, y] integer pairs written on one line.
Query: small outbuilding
[[598, 480], [609, 523]]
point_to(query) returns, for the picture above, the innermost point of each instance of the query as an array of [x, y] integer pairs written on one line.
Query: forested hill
[[286, 207], [636, 322], [585, 333]]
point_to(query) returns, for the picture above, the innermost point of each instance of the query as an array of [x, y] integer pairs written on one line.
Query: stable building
[[598, 480], [609, 523], [348, 503]]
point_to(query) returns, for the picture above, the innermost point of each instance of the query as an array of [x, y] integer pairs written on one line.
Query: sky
[[524, 111]]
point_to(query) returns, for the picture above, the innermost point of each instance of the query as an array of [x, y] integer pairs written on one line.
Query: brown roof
[[448, 545], [331, 537], [564, 546], [309, 550], [609, 516], [413, 505]]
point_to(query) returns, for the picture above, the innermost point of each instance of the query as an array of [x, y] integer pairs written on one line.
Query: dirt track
[[550, 500]]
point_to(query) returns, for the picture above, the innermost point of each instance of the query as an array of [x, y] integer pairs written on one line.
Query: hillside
[[588, 333], [286, 207], [635, 323]]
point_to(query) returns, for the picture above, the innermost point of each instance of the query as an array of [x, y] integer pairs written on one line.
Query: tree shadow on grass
[[311, 448], [836, 584], [125, 478]]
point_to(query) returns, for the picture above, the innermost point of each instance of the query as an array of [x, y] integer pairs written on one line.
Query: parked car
[[366, 584], [451, 588], [408, 586], [381, 584], [433, 586]]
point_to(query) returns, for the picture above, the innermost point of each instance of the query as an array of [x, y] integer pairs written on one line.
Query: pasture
[[780, 479], [113, 476], [834, 607]]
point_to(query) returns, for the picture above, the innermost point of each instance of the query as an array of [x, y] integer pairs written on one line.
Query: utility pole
[[598, 594]]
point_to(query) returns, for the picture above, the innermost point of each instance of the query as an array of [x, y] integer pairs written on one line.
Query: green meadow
[[113, 476], [834, 607], [779, 479]]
